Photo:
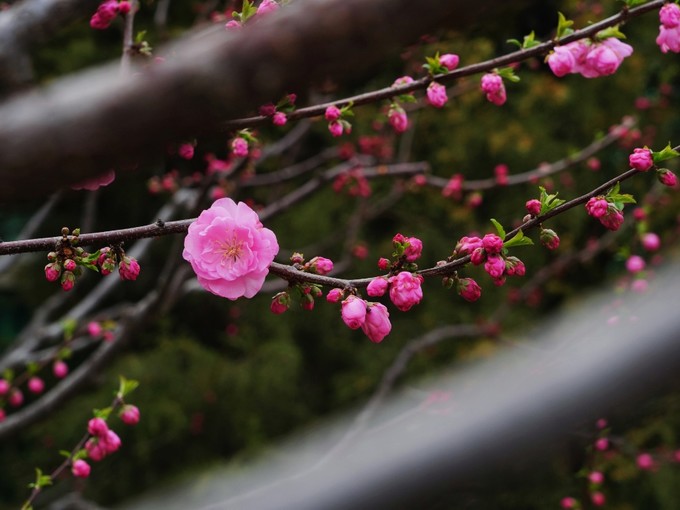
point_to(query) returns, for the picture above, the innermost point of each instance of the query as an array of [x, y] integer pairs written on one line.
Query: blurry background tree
[[219, 379]]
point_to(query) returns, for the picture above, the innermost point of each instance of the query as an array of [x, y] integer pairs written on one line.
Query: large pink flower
[[229, 249]]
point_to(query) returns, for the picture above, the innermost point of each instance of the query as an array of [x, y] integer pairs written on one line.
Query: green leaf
[[102, 413], [127, 386], [518, 240], [65, 453], [139, 38], [563, 26], [508, 73], [69, 326], [514, 42], [32, 368], [406, 98], [610, 32], [41, 480], [499, 229], [666, 153], [634, 3], [530, 41], [548, 201]]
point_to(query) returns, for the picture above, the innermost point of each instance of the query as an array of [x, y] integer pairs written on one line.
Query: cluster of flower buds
[[354, 182], [107, 12], [337, 119], [66, 262], [405, 289], [669, 30], [372, 318], [248, 11], [490, 251], [108, 258], [609, 214], [241, 143], [307, 292], [278, 112], [589, 59], [494, 88]]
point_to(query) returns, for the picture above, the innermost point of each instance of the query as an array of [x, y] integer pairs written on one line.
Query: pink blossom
[[332, 113], [124, 7], [334, 295], [597, 207], [321, 265], [641, 159], [514, 267], [377, 324], [36, 385], [307, 302], [669, 39], [494, 265], [635, 264], [667, 178], [404, 80], [669, 15], [398, 119], [467, 245], [533, 207], [4, 386], [492, 244], [383, 264], [405, 290], [59, 369], [602, 60], [16, 397], [454, 187], [68, 280], [186, 151], [97, 427], [414, 249], [436, 94], [70, 265], [602, 444], [562, 61], [96, 182], [645, 461], [80, 468], [469, 290], [95, 449], [596, 477], [568, 503], [106, 13], [377, 287], [128, 268], [598, 499], [239, 147], [613, 219], [279, 119], [336, 129], [493, 87], [449, 60], [478, 256], [232, 25], [267, 110], [651, 241], [353, 312], [94, 329], [110, 441], [229, 249], [129, 415], [266, 7]]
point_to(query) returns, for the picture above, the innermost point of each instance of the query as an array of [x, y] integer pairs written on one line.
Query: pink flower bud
[[186, 151], [454, 188], [128, 268], [97, 427], [383, 264], [651, 241], [598, 499], [59, 369], [568, 503], [405, 290], [596, 477], [492, 244], [124, 7], [80, 468], [469, 290], [129, 415], [95, 449], [334, 295], [597, 207], [562, 61], [669, 15], [68, 280], [94, 329], [449, 60], [280, 303], [332, 113], [279, 119], [70, 265], [414, 249], [533, 207], [36, 385], [239, 147], [549, 239], [377, 287], [645, 462], [494, 266], [635, 264], [232, 25], [377, 324], [110, 441], [268, 110], [52, 272], [335, 128], [321, 265], [436, 94], [15, 398], [478, 256], [613, 219], [667, 178], [641, 159], [404, 80], [398, 119], [4, 387], [493, 87], [353, 312], [514, 267], [266, 7], [602, 444]]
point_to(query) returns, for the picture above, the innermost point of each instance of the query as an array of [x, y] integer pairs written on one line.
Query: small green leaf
[[102, 413], [518, 240], [633, 3], [563, 26], [666, 153], [508, 73], [69, 326], [499, 229], [65, 453], [127, 386], [32, 368], [530, 41], [139, 38], [610, 32], [514, 42]]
